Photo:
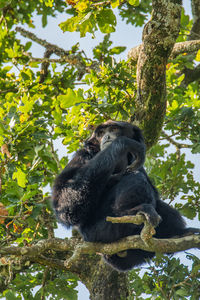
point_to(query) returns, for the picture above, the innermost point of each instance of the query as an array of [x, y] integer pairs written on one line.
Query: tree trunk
[[159, 36], [102, 281], [107, 284]]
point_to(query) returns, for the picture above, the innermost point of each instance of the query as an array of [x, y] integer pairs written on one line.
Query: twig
[[27, 34], [176, 144], [45, 65]]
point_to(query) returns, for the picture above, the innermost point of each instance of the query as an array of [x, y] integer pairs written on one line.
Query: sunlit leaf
[[134, 2], [21, 177]]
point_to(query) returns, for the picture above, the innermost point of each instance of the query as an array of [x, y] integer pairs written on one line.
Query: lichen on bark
[[159, 36]]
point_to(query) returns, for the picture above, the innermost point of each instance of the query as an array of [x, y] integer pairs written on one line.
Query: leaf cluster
[[167, 279], [89, 16], [36, 282]]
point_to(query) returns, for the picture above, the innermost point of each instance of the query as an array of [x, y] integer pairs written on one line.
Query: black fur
[[89, 189]]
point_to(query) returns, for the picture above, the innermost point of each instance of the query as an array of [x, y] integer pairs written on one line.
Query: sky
[[125, 35]]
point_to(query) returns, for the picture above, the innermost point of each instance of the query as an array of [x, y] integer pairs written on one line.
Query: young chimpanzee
[[107, 178]]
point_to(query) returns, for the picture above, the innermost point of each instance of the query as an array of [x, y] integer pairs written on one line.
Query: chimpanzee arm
[[77, 191]]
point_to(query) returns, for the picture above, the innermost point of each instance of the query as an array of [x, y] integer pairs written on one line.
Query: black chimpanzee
[[107, 178]]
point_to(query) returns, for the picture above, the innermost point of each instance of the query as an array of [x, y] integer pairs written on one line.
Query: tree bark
[[195, 31], [159, 37], [107, 284]]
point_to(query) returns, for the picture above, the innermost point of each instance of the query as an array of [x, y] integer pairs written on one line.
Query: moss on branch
[[179, 48]]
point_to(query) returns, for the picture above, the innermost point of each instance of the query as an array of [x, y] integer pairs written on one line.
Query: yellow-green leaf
[[134, 2], [70, 99], [198, 56], [21, 177]]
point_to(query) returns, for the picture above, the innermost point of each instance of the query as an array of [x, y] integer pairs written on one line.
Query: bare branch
[[148, 230], [47, 60], [73, 59], [175, 143], [45, 66], [55, 49], [185, 47], [178, 146], [133, 54]]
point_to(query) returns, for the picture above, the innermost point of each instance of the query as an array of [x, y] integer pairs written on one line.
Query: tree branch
[[66, 56], [185, 47], [179, 48], [175, 143], [45, 66], [131, 242], [40, 251], [55, 49], [191, 75], [195, 31]]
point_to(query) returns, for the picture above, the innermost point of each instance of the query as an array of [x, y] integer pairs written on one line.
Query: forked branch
[[41, 252]]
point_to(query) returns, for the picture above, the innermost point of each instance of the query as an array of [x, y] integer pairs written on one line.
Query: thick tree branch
[[195, 31], [185, 47], [179, 48], [191, 75], [159, 36], [40, 251], [132, 242]]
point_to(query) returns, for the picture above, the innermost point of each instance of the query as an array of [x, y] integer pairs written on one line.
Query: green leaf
[[44, 20], [27, 46], [115, 3], [87, 24], [71, 24], [21, 177], [25, 76], [10, 295], [182, 292], [106, 20], [117, 50], [198, 56], [34, 64], [134, 2], [70, 99], [188, 211]]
